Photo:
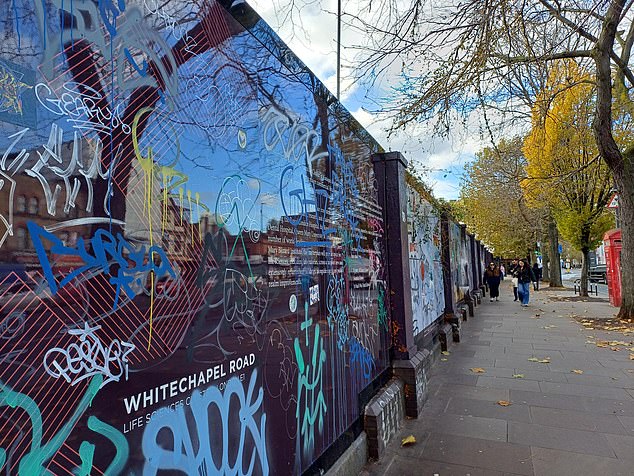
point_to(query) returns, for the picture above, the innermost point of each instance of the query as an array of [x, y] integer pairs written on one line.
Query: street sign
[[614, 201]]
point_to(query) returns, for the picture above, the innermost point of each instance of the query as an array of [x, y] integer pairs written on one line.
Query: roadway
[[569, 276]]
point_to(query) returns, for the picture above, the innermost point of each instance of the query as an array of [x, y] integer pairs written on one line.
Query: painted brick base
[[383, 417], [413, 372]]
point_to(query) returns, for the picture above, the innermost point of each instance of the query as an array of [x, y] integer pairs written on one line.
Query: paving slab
[[541, 376], [578, 420], [548, 462], [600, 380], [628, 424], [479, 453], [493, 429], [574, 402], [457, 377], [479, 393], [585, 390], [511, 348], [482, 408], [489, 370], [585, 442], [503, 382], [623, 446], [410, 466]]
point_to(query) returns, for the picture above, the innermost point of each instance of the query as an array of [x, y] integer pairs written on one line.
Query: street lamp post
[[339, 49]]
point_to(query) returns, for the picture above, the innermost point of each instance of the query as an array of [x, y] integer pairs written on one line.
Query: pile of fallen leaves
[[614, 345], [612, 324], [578, 299]]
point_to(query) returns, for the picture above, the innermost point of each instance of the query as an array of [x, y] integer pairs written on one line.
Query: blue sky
[[311, 34]]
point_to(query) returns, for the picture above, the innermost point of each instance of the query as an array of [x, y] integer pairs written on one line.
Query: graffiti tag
[[127, 265], [311, 403], [89, 357], [232, 415]]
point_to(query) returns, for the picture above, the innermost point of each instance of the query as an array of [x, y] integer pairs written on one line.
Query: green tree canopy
[[492, 203]]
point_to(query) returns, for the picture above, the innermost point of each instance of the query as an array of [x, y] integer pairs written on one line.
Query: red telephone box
[[612, 245]]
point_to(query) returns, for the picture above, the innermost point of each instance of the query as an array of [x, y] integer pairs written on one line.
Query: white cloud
[[445, 189]]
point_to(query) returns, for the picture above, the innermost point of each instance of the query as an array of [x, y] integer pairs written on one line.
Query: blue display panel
[[190, 257]]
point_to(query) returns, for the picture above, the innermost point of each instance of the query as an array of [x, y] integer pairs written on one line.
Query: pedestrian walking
[[537, 272], [502, 270], [492, 277], [524, 278], [513, 273]]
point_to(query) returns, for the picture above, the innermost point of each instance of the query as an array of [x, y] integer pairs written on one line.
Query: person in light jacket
[[512, 271]]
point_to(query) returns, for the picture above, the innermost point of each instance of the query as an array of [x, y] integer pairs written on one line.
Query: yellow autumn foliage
[[564, 169]]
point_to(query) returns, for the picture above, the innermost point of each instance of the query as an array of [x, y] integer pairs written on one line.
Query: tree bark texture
[[585, 261], [545, 258], [620, 163], [585, 267], [555, 262], [625, 185]]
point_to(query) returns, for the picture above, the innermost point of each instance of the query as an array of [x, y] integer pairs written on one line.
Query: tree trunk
[[545, 259], [553, 252], [585, 267], [624, 180], [620, 163]]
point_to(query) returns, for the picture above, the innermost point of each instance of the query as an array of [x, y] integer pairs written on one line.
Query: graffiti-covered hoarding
[[460, 262], [191, 274], [425, 263]]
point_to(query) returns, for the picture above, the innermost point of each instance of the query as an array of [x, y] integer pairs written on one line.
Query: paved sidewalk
[[559, 422]]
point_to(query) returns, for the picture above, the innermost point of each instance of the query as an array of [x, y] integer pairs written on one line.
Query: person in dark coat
[[524, 279], [537, 272], [492, 277]]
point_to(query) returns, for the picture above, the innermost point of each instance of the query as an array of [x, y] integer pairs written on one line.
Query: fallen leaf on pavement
[[615, 349], [445, 352], [408, 440], [533, 359], [577, 371], [631, 358], [518, 375], [504, 403], [443, 360], [544, 361], [477, 370]]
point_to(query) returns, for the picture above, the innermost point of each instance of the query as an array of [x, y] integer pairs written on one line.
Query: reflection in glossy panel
[[190, 261]]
